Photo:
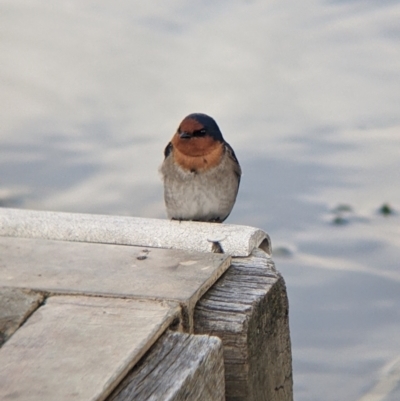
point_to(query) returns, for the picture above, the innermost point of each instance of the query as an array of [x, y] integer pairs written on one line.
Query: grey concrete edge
[[234, 240]]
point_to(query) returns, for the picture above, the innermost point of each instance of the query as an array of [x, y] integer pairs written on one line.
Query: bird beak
[[184, 135]]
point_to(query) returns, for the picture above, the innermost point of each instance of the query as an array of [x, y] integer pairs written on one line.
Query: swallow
[[200, 171]]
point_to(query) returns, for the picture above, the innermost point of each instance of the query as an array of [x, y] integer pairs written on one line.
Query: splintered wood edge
[[119, 230]]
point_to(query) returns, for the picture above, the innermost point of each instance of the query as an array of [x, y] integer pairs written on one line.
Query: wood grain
[[248, 309], [178, 367], [62, 267], [79, 348]]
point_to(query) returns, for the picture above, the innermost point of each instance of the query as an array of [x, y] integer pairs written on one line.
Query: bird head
[[197, 135]]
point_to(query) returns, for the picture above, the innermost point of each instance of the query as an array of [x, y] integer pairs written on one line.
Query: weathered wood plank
[[63, 267], [248, 309], [79, 348], [178, 367], [15, 306]]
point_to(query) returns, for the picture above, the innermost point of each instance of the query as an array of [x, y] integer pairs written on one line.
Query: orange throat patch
[[197, 154]]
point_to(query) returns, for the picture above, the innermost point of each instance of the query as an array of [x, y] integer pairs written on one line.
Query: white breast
[[204, 196]]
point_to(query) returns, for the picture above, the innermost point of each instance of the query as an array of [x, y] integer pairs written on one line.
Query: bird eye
[[200, 132]]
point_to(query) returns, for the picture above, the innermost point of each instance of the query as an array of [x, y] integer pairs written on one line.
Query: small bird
[[200, 171]]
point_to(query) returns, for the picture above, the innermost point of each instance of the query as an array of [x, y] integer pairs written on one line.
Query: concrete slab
[[79, 348], [15, 306], [110, 270], [191, 236]]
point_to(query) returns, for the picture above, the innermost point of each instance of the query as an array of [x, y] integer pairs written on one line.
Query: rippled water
[[307, 93]]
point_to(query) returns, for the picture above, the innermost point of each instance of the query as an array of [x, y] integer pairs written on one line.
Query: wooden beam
[[178, 367], [63, 267], [79, 348], [248, 309]]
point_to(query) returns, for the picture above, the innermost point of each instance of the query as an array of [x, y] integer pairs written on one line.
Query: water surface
[[307, 93]]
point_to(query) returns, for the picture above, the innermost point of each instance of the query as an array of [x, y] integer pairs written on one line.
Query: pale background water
[[308, 94]]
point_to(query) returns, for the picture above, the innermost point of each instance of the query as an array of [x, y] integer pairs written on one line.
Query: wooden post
[[248, 309]]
